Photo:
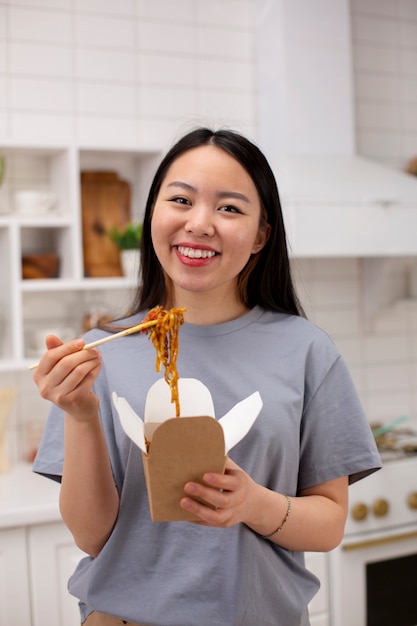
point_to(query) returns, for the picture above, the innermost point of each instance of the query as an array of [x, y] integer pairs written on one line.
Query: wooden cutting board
[[105, 203]]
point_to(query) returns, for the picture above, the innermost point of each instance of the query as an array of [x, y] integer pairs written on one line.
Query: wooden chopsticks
[[122, 333]]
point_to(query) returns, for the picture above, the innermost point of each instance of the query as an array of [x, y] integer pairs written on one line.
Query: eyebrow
[[220, 194]]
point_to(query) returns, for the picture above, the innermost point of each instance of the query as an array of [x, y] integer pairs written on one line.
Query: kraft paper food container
[[182, 449]]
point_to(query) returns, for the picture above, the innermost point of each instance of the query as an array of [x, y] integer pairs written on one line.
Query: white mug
[[38, 336], [34, 202]]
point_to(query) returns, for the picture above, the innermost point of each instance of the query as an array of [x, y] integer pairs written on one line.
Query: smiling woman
[[214, 244], [206, 224]]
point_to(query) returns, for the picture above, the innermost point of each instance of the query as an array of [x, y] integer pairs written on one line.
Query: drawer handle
[[369, 543]]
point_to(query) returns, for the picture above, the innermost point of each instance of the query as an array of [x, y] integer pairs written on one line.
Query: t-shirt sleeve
[[336, 439], [49, 460]]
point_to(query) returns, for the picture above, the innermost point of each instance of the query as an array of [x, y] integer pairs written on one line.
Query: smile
[[196, 253]]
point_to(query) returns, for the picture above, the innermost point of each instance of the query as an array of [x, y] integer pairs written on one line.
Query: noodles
[[164, 336]]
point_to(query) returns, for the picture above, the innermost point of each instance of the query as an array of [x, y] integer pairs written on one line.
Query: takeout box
[[182, 449]]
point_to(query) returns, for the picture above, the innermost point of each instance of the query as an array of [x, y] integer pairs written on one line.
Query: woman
[[214, 243]]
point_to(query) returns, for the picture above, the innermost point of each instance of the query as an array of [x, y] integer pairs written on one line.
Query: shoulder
[[300, 342], [296, 327]]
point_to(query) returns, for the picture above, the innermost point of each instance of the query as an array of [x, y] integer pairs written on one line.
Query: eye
[[229, 208], [180, 200]]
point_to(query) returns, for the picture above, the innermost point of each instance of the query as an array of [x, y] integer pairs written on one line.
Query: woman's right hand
[[65, 376]]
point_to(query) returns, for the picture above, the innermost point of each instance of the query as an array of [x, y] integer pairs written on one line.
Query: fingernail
[[78, 343]]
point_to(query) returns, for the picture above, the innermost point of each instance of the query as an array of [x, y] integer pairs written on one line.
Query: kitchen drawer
[[53, 557], [14, 582], [316, 562]]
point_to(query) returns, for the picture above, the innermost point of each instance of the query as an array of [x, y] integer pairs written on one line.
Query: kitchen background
[[123, 73], [128, 76]]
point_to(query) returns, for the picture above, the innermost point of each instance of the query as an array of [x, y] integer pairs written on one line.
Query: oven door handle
[[369, 543]]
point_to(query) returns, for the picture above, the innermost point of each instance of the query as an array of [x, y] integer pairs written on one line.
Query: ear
[[261, 238]]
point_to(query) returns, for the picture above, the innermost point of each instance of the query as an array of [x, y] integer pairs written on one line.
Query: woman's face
[[205, 223]]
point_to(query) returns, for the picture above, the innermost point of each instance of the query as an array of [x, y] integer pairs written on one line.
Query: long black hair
[[266, 279]]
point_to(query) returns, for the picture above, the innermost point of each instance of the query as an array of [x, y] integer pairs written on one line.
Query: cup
[[38, 336], [34, 202]]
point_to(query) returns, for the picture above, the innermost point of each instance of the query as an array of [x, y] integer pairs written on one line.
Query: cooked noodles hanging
[[164, 336]]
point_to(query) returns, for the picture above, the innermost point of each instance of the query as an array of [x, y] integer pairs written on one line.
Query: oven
[[373, 573]]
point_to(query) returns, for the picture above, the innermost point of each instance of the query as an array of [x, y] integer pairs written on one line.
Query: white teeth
[[196, 253]]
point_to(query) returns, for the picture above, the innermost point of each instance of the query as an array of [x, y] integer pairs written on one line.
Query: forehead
[[209, 164]]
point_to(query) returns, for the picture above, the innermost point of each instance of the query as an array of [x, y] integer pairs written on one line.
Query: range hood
[[334, 201]]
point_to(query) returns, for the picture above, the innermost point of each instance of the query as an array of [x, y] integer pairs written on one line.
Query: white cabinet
[[14, 581], [37, 561], [35, 565], [319, 620], [319, 608], [52, 559], [59, 232]]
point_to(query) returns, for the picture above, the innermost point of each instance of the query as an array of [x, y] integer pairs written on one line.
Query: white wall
[[124, 71], [384, 34]]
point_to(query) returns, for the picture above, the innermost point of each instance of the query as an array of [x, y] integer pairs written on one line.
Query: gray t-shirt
[[311, 429]]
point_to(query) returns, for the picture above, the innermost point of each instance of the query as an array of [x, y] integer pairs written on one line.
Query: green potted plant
[[128, 240]]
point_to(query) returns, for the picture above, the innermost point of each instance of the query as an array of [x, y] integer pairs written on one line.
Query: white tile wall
[[224, 43], [38, 94], [381, 354], [211, 73], [3, 21], [41, 25], [3, 93], [35, 59], [38, 127], [105, 31], [106, 99], [385, 75], [91, 62], [106, 7], [237, 14], [153, 101], [161, 37], [102, 64]]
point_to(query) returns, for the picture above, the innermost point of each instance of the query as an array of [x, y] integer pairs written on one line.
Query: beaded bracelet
[[278, 530]]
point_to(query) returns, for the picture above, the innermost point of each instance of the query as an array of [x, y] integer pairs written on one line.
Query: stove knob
[[412, 500], [359, 511], [380, 507]]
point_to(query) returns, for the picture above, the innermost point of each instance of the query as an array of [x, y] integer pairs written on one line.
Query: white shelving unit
[[23, 304]]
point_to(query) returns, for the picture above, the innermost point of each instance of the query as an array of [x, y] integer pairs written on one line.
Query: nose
[[200, 221]]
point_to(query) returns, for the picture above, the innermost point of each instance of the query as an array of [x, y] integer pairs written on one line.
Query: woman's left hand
[[230, 497], [318, 513]]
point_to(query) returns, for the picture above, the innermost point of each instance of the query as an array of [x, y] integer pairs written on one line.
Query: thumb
[[231, 465], [52, 341]]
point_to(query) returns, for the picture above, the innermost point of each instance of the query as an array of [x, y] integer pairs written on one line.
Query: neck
[[207, 309]]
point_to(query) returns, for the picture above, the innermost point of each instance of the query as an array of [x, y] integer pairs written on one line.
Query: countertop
[[27, 498]]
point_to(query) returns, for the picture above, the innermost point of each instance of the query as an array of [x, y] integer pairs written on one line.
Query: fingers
[[56, 350], [52, 341], [74, 370], [66, 373], [221, 495]]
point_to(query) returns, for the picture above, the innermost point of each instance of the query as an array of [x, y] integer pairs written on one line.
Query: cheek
[[158, 226], [157, 236], [244, 240]]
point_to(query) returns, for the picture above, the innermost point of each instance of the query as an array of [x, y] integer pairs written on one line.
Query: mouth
[[196, 253]]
